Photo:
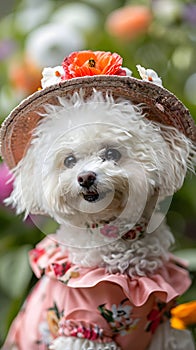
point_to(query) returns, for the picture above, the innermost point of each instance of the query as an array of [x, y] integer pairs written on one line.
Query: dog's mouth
[[93, 196]]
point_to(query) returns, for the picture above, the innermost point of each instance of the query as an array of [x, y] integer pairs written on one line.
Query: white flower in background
[[31, 14], [76, 15], [149, 75], [50, 43], [52, 76], [167, 10]]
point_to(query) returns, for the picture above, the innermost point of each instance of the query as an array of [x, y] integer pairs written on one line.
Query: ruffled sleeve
[[46, 255]]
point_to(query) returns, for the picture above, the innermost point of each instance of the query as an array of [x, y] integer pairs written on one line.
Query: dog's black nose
[[86, 179]]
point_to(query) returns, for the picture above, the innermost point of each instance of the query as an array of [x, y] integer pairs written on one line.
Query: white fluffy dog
[[108, 166]]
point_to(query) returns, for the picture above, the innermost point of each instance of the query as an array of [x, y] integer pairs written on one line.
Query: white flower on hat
[[149, 75], [51, 76], [128, 71]]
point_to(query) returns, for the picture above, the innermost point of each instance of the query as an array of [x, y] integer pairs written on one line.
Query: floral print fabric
[[89, 303]]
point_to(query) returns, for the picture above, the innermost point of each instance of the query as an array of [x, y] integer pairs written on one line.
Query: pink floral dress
[[90, 303]]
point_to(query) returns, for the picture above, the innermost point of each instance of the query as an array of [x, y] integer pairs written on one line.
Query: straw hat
[[79, 71]]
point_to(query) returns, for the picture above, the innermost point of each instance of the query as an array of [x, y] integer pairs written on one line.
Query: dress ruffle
[[167, 283]]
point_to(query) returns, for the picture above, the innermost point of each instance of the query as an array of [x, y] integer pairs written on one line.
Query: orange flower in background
[[25, 76], [128, 22], [85, 63], [184, 315]]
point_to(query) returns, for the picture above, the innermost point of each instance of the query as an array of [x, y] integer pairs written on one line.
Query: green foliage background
[[169, 47]]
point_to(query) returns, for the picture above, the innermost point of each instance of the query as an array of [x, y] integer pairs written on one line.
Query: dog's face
[[98, 160], [93, 175]]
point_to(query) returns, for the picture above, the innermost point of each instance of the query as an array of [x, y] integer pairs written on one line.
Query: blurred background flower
[[50, 43], [129, 22], [189, 13], [156, 34], [184, 316], [7, 47], [5, 182], [24, 75]]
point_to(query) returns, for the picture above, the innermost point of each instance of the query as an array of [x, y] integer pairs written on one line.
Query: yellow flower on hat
[[184, 315]]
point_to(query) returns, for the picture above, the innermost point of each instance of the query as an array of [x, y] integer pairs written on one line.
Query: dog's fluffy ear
[[180, 159], [26, 192]]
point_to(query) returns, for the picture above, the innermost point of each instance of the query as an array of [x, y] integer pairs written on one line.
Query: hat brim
[[158, 104]]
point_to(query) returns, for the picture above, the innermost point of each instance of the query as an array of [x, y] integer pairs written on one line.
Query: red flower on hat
[[85, 63]]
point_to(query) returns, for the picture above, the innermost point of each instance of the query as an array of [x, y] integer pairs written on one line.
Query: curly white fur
[[139, 258], [70, 343]]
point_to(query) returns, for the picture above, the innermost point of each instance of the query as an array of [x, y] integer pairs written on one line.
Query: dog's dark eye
[[70, 161], [112, 154]]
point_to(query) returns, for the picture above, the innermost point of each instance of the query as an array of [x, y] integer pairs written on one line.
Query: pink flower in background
[[6, 184]]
